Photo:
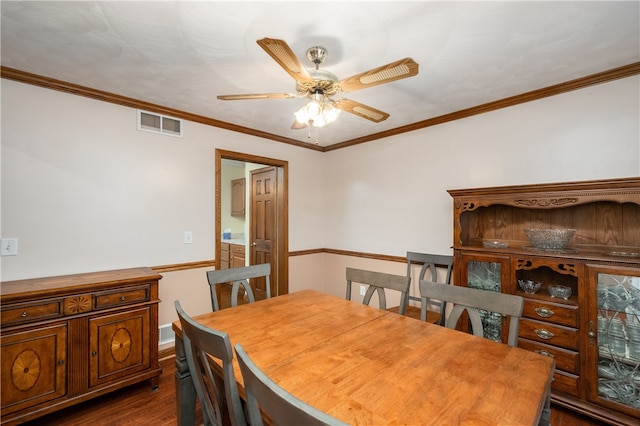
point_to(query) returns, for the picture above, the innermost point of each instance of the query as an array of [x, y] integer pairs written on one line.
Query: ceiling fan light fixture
[[318, 112]]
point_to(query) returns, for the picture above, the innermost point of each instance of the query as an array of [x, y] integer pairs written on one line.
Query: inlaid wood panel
[[119, 345], [34, 367]]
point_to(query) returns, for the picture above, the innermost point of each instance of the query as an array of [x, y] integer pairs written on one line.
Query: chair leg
[[545, 418]]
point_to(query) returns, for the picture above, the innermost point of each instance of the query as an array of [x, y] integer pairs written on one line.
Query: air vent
[[166, 334], [156, 123]]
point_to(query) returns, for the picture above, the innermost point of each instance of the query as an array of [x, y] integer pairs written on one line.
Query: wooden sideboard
[[70, 338], [593, 335]]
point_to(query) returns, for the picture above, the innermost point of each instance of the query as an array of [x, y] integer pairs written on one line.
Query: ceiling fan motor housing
[[323, 81]]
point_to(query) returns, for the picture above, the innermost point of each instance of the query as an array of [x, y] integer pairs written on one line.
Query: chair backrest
[[239, 277], [200, 342], [281, 406], [431, 263], [472, 300], [378, 282]]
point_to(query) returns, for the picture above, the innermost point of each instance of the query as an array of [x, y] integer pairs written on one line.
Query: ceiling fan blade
[[280, 51], [361, 110], [391, 72], [257, 96]]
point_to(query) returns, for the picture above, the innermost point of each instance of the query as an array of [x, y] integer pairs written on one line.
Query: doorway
[[267, 240]]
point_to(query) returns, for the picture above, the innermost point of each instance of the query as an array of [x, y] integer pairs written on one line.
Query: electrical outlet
[[9, 247], [188, 237], [363, 290]]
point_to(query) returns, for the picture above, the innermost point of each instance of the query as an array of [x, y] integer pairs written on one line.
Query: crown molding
[[545, 92], [579, 83]]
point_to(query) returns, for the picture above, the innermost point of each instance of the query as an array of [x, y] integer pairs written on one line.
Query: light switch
[[363, 290], [188, 237], [9, 247]]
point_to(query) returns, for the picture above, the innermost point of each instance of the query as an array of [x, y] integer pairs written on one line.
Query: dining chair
[[280, 406], [432, 263], [239, 277], [378, 282], [200, 343], [472, 300]]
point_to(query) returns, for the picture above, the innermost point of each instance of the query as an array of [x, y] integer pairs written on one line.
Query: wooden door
[[264, 197], [272, 236]]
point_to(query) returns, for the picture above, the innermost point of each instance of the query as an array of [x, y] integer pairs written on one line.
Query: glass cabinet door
[[487, 273], [617, 324]]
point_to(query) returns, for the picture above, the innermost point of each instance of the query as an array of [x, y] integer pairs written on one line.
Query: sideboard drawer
[[551, 312], [548, 333], [122, 297], [27, 312]]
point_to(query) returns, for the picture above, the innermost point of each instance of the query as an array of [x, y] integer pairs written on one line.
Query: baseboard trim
[[166, 353]]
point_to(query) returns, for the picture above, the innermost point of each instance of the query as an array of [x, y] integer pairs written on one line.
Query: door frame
[[280, 262]]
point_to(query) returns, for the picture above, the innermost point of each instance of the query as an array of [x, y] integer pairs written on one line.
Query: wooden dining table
[[368, 366]]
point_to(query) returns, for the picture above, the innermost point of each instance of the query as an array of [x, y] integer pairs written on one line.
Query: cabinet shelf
[[623, 254], [542, 297]]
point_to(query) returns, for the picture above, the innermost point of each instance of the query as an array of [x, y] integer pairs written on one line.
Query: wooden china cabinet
[[70, 338], [594, 334]]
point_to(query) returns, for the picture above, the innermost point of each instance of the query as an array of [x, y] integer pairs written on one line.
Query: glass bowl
[[550, 239], [529, 286], [495, 243], [559, 291]]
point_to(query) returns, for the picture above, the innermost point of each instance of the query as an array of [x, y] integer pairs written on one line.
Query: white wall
[[390, 196], [83, 190]]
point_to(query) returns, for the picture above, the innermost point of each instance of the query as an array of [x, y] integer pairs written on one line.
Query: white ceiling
[[182, 55]]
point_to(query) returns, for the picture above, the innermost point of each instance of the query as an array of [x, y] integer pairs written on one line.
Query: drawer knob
[[545, 353], [544, 312], [122, 298], [24, 314], [94, 353], [60, 361], [544, 334]]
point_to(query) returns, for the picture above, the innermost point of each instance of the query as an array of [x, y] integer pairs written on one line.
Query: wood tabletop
[[368, 366]]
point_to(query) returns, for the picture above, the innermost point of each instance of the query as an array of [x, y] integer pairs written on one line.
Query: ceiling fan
[[320, 85]]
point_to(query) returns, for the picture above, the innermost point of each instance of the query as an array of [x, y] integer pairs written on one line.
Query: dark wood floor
[[138, 405]]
